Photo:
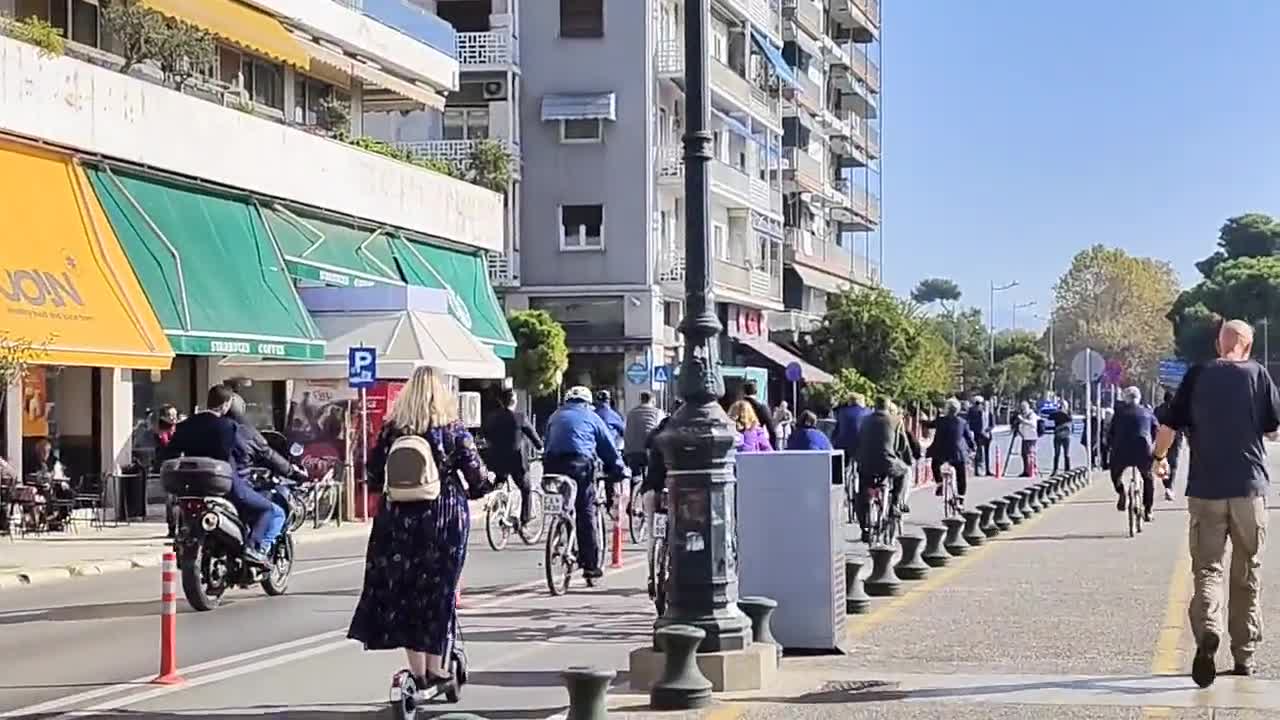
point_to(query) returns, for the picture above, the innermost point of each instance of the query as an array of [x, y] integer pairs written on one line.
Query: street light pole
[[991, 316], [1013, 323], [698, 442]]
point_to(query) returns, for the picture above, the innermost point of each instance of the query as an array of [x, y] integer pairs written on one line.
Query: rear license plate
[[552, 504], [659, 525]]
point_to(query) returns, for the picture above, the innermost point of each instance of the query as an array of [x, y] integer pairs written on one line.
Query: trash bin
[[133, 496]]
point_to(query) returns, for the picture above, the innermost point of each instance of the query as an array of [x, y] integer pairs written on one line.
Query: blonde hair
[[425, 402], [744, 415]]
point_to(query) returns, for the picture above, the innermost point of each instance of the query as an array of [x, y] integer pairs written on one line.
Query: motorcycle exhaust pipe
[[213, 522]]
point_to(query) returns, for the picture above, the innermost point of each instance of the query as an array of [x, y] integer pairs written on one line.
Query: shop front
[[751, 355], [73, 307]]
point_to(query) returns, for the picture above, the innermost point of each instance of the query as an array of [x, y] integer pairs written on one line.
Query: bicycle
[[884, 521], [637, 525], [560, 557], [851, 494], [502, 515], [1135, 502], [951, 505], [658, 556], [317, 500]]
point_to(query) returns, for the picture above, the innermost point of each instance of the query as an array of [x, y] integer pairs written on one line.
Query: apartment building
[[601, 230], [832, 155], [167, 228]]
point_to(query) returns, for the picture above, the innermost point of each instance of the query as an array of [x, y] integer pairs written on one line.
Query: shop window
[[154, 390], [582, 227], [264, 404], [581, 18]]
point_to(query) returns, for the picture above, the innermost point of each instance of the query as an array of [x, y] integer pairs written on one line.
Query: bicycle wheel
[[531, 532], [875, 520], [851, 500], [326, 500], [497, 525], [556, 559], [659, 560], [1133, 511], [1135, 503], [636, 525], [602, 537]]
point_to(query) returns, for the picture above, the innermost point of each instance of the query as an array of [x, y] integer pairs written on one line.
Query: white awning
[[405, 340], [782, 357], [820, 280], [579, 106], [372, 75]]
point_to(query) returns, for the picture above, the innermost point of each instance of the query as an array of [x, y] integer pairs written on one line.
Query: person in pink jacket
[[752, 436]]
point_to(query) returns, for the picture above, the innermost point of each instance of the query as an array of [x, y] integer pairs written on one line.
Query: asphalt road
[[1063, 594]]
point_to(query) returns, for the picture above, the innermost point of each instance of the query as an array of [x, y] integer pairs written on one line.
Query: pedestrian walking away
[[1061, 437], [1175, 449], [1225, 407], [981, 425]]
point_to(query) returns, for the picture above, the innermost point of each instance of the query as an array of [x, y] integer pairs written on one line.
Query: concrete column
[[290, 96], [116, 405], [357, 108], [13, 426]]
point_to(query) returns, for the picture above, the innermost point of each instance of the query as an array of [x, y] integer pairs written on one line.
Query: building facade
[[177, 226], [597, 237]]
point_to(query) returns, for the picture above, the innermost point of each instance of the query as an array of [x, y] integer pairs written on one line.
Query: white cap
[[579, 393]]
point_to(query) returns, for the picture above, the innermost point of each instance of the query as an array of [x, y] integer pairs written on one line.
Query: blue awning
[[733, 125], [774, 56], [579, 106]]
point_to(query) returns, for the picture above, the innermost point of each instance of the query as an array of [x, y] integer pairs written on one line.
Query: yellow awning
[[65, 282], [240, 25], [372, 75]]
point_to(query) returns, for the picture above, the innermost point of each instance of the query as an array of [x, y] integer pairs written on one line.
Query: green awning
[[210, 268], [465, 277], [332, 250]]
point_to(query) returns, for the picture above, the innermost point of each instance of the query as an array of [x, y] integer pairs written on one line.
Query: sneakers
[[592, 574], [1121, 505], [1146, 516], [1203, 670], [1168, 494], [938, 490], [257, 557], [1242, 670]]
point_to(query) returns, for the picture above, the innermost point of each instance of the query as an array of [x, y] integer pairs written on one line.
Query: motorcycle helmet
[[578, 393], [603, 396]]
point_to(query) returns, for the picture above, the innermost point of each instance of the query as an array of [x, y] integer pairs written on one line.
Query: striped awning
[[580, 106]]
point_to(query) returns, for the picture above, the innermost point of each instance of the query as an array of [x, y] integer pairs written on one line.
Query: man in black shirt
[[506, 431], [1225, 407]]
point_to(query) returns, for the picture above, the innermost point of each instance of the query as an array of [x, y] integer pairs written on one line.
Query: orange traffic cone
[[999, 471]]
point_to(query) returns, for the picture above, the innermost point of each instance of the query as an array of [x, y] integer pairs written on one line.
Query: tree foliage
[[887, 341], [968, 330], [542, 355], [42, 34], [183, 51], [940, 290], [1022, 364], [16, 356], [849, 384], [1115, 303], [1241, 279]]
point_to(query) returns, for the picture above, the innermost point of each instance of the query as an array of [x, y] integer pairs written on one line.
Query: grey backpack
[[412, 475]]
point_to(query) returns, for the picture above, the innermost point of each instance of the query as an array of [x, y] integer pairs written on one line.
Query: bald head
[[1235, 340]]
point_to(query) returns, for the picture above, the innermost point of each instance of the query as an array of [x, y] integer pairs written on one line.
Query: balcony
[[803, 248], [729, 180], [724, 80], [492, 49], [864, 68], [808, 93], [503, 270], [873, 142], [761, 285], [860, 212], [670, 164], [860, 17], [765, 15], [670, 59], [102, 112], [458, 151], [803, 171], [807, 14]]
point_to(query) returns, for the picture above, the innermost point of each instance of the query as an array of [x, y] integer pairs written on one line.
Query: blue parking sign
[[362, 367]]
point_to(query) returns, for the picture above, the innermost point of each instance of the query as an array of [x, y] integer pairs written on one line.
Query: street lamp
[[991, 315], [1053, 365], [1013, 322], [699, 439]]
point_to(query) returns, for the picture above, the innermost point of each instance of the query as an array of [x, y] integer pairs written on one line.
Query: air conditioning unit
[[495, 90]]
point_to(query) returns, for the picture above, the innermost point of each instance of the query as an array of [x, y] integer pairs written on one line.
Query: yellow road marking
[[863, 624], [1166, 660]]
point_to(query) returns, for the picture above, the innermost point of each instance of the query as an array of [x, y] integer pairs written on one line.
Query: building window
[[720, 242], [307, 98], [263, 81], [471, 123], [590, 130], [581, 227], [582, 18]]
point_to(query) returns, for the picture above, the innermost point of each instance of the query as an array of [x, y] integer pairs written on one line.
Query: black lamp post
[[698, 442]]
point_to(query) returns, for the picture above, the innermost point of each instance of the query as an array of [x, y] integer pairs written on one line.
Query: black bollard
[[1024, 504], [972, 534], [953, 542], [911, 566], [588, 687], [986, 523], [1000, 517], [760, 610], [1060, 488], [682, 685], [934, 555], [1043, 495], [882, 582], [1012, 511], [856, 600], [1033, 499]]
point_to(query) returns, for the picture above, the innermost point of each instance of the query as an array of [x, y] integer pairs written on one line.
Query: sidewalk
[[88, 551]]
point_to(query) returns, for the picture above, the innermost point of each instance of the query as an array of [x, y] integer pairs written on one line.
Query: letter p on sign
[[362, 367]]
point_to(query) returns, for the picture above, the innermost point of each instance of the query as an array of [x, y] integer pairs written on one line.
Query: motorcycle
[[211, 535]]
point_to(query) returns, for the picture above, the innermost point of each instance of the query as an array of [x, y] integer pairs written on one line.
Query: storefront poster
[[318, 418], [35, 404]]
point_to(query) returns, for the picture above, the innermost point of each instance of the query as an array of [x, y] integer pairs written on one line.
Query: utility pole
[[991, 317]]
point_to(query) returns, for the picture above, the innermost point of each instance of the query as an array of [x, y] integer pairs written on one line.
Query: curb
[[44, 576], [100, 568], [10, 580]]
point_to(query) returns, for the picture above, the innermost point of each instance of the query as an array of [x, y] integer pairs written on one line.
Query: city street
[[1062, 617]]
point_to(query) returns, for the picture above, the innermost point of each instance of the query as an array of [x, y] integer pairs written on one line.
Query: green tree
[[489, 165], [968, 330], [928, 375], [821, 397], [135, 28], [940, 290], [542, 355], [42, 34], [1016, 377], [183, 51], [1241, 279], [1114, 303]]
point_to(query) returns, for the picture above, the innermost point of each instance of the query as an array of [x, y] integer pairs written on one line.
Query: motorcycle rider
[[213, 434], [575, 437], [261, 455]]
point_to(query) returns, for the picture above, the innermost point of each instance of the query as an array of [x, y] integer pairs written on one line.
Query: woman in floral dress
[[417, 549]]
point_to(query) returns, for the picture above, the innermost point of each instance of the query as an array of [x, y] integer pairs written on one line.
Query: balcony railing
[[502, 270], [809, 92], [670, 162], [806, 13], [731, 180], [870, 8], [865, 68], [724, 79], [670, 59], [670, 266], [457, 151], [873, 142], [804, 169], [494, 47], [821, 254]]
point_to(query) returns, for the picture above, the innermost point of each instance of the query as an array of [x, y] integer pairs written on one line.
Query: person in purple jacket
[[752, 436]]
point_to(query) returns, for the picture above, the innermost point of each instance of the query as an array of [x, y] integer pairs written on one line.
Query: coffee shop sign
[[234, 347]]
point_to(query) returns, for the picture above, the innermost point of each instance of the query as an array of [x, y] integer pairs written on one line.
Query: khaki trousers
[[1244, 521]]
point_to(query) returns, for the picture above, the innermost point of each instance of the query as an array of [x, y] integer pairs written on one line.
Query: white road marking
[[512, 594]]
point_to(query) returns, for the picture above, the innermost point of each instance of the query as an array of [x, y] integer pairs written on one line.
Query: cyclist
[[1131, 439], [952, 443], [642, 420], [506, 432], [617, 429], [879, 456], [576, 436]]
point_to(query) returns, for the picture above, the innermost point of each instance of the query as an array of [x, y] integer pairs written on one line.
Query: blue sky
[[1018, 132]]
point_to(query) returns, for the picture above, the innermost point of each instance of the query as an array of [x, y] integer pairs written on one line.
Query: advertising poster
[[35, 404]]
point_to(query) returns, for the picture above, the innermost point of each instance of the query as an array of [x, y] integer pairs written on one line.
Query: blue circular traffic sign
[[794, 373]]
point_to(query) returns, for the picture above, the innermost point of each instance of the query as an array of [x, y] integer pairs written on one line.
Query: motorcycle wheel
[[276, 581], [297, 513], [203, 592]]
